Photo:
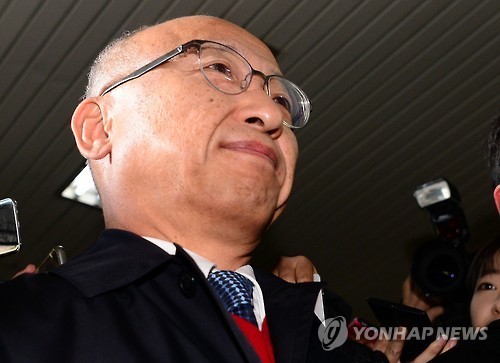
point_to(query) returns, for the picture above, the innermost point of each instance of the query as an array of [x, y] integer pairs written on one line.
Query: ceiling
[[403, 92]]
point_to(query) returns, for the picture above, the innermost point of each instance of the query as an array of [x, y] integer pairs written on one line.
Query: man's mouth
[[254, 147]]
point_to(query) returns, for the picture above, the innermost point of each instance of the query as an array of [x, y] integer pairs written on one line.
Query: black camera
[[440, 266]]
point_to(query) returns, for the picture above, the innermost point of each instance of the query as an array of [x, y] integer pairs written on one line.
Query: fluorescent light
[[82, 189]]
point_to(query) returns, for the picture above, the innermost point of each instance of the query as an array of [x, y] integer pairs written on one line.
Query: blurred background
[[403, 93]]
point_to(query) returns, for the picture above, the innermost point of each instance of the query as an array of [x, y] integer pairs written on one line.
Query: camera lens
[[443, 271], [439, 269]]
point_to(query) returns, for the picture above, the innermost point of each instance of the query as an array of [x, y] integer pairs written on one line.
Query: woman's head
[[483, 285]]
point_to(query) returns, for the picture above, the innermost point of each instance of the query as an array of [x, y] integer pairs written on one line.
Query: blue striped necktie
[[235, 291]]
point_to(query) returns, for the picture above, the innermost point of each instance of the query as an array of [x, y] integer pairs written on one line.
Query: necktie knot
[[235, 291]]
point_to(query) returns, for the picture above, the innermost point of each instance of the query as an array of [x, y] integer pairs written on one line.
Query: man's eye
[[283, 101], [486, 286], [221, 68]]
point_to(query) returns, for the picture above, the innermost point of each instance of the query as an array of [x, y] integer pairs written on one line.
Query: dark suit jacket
[[126, 300]]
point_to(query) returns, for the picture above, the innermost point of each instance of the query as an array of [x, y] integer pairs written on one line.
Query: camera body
[[440, 266]]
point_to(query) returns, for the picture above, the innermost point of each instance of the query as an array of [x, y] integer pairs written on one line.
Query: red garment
[[260, 339]]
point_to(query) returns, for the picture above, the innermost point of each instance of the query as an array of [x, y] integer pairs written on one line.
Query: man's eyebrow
[[275, 71]]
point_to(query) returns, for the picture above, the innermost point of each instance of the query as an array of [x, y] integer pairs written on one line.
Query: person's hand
[[393, 348], [29, 269], [295, 269], [437, 347], [416, 299]]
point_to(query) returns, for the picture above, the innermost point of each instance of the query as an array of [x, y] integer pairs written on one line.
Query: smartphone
[[56, 257], [10, 240], [393, 315]]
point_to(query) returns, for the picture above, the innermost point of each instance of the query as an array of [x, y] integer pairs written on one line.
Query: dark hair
[[482, 264], [493, 150]]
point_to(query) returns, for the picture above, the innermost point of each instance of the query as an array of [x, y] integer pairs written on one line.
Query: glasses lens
[[223, 68], [293, 100], [227, 71]]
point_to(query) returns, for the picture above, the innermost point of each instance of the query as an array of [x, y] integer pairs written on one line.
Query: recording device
[[439, 267], [10, 241], [393, 315], [56, 257]]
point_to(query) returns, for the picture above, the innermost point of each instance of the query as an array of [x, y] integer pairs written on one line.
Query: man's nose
[[260, 111]]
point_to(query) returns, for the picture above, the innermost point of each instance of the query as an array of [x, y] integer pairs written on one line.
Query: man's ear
[[496, 196], [90, 129]]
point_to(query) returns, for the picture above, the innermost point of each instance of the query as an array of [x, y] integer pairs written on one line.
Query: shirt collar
[[206, 266], [203, 264]]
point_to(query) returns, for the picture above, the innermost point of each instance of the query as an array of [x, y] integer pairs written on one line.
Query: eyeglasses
[[229, 72]]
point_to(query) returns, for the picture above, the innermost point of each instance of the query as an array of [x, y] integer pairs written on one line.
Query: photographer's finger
[[381, 343], [394, 349], [452, 342], [29, 269], [435, 348], [285, 269], [391, 348], [406, 291], [305, 270], [434, 312]]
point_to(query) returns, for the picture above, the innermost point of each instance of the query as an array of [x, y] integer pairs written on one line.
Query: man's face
[[180, 143], [485, 304]]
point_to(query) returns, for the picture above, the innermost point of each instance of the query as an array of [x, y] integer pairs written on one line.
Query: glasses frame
[[197, 43]]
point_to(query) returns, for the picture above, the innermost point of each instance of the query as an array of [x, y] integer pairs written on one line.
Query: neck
[[225, 258], [229, 245]]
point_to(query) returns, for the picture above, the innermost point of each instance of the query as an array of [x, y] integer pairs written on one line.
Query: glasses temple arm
[[145, 69]]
